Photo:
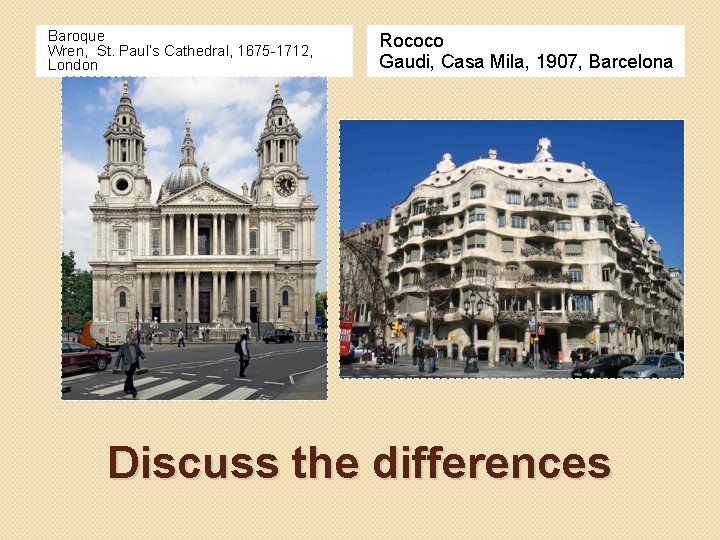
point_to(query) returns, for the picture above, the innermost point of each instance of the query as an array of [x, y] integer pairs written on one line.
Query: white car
[[653, 367]]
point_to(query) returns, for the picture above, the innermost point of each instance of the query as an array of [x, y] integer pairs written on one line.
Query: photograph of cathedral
[[189, 247]]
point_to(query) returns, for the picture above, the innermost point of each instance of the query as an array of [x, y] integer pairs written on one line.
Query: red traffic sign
[[541, 330]]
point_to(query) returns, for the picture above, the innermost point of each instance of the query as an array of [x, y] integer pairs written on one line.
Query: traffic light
[[397, 328]]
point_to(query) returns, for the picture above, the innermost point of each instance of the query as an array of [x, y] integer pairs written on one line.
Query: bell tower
[[123, 179], [281, 181]]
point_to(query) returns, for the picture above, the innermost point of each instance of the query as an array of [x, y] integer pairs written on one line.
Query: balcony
[[561, 277], [520, 317], [546, 228], [582, 316], [394, 266], [434, 255], [600, 205], [543, 202], [436, 209], [541, 252], [400, 240], [432, 232]]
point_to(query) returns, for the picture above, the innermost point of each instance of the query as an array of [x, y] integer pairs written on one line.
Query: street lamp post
[[258, 321], [306, 325], [536, 352], [137, 323], [472, 308], [187, 334]]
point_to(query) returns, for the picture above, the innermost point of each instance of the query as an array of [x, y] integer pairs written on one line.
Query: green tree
[[76, 289]]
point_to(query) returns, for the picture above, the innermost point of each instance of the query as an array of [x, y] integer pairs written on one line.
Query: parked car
[[605, 365], [77, 357], [279, 335], [356, 353], [653, 367], [677, 355]]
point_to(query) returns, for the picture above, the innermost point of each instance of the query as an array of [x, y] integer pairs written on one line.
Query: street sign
[[532, 325], [541, 330], [318, 320]]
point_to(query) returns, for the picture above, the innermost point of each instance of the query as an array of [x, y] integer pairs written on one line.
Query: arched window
[[122, 300], [285, 298], [253, 295], [253, 240], [477, 191]]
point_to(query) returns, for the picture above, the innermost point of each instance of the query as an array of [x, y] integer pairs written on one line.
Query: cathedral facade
[[201, 253]]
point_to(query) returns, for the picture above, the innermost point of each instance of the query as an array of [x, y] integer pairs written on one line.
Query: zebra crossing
[[163, 388]]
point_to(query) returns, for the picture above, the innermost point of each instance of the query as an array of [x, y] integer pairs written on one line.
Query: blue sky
[[227, 116], [641, 161]]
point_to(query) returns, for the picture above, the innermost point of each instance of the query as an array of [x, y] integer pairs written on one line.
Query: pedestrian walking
[[415, 355], [422, 354], [181, 338], [432, 360], [151, 338], [241, 348], [128, 359], [512, 357]]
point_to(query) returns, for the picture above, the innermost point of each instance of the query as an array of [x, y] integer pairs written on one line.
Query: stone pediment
[[204, 194]]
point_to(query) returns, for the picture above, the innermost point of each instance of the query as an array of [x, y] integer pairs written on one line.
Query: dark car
[[77, 357], [605, 365], [278, 336]]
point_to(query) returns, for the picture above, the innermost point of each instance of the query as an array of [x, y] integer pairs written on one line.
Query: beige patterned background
[[662, 438]]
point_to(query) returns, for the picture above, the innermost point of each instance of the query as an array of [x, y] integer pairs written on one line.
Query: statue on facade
[[224, 305]]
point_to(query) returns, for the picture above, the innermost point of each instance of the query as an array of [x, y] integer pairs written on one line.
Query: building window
[[508, 245], [122, 300], [572, 201], [501, 219], [607, 273], [449, 225], [573, 249], [581, 302], [513, 197], [285, 298], [517, 222], [122, 239], [285, 239], [253, 295], [477, 191], [156, 242], [476, 240], [512, 271], [456, 199], [576, 275], [601, 224], [253, 240], [476, 270], [461, 219], [586, 225], [413, 255], [155, 296], [457, 247], [476, 214], [563, 225], [417, 229], [418, 207]]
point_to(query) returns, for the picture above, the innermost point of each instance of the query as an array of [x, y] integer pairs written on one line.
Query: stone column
[[246, 294], [171, 222], [196, 219], [263, 296], [196, 297], [238, 297], [222, 234], [596, 329], [148, 297], [214, 235], [223, 286], [95, 289], [163, 296], [214, 305], [246, 235], [171, 297], [562, 302], [162, 235], [187, 234], [238, 234], [188, 293], [564, 345], [273, 297], [138, 292]]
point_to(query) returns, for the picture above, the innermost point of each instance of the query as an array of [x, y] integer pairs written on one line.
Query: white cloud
[[78, 179], [155, 137]]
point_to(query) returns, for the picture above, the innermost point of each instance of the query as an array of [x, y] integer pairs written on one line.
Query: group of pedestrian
[[424, 352]]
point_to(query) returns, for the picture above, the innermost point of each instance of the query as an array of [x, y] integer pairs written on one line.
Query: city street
[[403, 368], [210, 371]]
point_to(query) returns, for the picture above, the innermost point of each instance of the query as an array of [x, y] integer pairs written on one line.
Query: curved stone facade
[[541, 239]]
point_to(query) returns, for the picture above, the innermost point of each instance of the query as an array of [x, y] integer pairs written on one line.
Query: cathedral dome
[[183, 177]]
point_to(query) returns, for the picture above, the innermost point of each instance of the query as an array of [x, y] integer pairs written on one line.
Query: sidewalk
[[311, 385], [403, 367]]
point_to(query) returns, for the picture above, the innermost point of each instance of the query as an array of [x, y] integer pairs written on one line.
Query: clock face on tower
[[285, 184]]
